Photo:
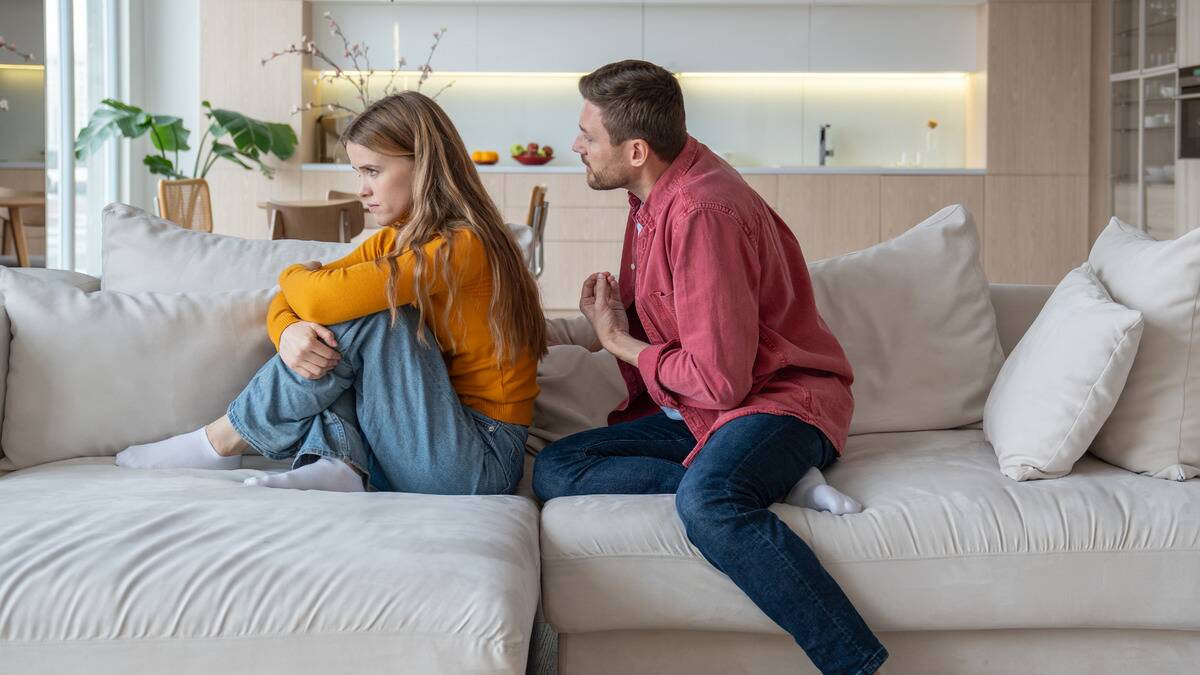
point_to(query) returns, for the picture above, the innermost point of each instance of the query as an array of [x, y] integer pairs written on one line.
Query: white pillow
[[1155, 427], [577, 390], [915, 318], [91, 373], [1062, 380], [144, 253]]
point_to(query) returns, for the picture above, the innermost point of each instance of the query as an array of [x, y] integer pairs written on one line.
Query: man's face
[[608, 168]]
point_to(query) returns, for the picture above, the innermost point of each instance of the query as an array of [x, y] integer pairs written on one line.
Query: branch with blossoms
[[8, 46], [361, 72]]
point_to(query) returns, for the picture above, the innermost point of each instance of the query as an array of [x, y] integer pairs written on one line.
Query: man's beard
[[603, 181]]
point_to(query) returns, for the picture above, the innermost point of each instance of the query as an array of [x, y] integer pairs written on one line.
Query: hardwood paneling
[[564, 189], [569, 223], [1100, 183], [766, 185], [235, 193], [1039, 57], [907, 200], [1037, 227], [830, 215]]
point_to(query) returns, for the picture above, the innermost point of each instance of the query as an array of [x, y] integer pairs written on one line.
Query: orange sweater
[[355, 286]]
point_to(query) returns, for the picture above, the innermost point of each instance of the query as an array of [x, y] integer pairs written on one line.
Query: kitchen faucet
[[822, 150]]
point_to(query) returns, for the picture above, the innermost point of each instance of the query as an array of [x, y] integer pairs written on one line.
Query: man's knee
[[550, 469], [708, 511]]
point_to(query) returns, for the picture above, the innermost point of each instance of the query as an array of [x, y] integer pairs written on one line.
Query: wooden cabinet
[[907, 200], [1037, 228], [830, 214]]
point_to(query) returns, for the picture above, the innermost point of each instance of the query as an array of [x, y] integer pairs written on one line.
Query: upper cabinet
[[530, 38], [760, 37], [728, 39], [392, 31], [900, 39]]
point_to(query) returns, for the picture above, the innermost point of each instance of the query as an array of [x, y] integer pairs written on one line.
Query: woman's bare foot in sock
[[813, 492], [216, 446], [326, 473]]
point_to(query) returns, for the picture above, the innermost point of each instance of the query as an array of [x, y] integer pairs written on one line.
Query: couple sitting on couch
[[736, 386]]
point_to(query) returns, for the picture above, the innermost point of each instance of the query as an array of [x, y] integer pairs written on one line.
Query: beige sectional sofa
[[958, 568]]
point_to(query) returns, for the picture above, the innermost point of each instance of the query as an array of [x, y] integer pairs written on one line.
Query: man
[[736, 385]]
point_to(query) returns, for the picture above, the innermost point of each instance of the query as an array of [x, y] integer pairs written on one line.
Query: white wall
[[162, 76]]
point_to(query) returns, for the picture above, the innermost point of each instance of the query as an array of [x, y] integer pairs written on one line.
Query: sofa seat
[[945, 542], [109, 570]]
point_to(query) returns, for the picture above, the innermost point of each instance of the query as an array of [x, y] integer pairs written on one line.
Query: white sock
[[185, 451], [333, 475], [812, 492]]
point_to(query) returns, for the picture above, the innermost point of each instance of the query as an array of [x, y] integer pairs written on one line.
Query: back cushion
[[915, 318], [91, 373], [144, 253]]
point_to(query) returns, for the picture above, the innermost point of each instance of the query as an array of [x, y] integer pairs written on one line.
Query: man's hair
[[638, 99]]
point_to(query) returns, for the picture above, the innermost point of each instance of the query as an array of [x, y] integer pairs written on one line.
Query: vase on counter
[[931, 144]]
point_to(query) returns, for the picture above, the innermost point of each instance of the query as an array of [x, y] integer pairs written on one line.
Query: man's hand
[[600, 302], [308, 349]]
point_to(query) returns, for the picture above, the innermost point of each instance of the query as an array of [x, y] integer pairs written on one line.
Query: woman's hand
[[311, 265], [308, 349], [600, 302]]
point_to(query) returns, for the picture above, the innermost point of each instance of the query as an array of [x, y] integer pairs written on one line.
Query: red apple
[[548, 150]]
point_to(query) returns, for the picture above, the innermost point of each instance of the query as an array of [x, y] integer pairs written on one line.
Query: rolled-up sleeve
[[715, 277]]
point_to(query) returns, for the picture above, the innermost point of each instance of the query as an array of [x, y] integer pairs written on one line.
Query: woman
[[409, 365]]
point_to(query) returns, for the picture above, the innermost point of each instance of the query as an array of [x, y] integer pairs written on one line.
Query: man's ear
[[639, 152]]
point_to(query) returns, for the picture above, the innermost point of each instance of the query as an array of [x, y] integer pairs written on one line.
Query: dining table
[[13, 201]]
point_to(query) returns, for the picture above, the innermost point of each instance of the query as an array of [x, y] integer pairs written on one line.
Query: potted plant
[[250, 141]]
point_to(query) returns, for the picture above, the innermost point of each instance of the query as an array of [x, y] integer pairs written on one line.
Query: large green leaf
[[110, 120], [168, 133], [162, 166], [248, 133]]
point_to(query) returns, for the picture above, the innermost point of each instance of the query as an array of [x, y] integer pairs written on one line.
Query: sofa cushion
[[1155, 427], [142, 252], [188, 571], [915, 318], [1062, 380], [91, 373], [945, 542], [145, 253], [84, 282]]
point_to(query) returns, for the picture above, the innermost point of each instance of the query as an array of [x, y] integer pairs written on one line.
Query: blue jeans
[[722, 499], [388, 409]]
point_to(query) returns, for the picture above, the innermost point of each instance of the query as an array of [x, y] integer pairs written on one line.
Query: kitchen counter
[[578, 168]]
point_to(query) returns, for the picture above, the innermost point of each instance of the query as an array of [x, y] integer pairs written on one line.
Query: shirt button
[[632, 266]]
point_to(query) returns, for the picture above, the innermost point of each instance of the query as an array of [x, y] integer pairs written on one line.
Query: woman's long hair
[[447, 196]]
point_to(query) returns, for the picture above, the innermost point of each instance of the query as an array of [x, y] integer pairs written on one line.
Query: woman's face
[[386, 182]]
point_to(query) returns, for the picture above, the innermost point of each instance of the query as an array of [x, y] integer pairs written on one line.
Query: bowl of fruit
[[485, 157], [532, 154]]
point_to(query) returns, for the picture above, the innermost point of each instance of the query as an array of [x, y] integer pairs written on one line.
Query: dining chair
[[186, 203], [539, 212], [335, 220]]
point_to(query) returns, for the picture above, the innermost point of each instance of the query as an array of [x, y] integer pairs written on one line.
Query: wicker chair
[[186, 203]]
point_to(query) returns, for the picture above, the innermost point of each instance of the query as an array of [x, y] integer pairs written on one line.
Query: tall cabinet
[[1144, 85]]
